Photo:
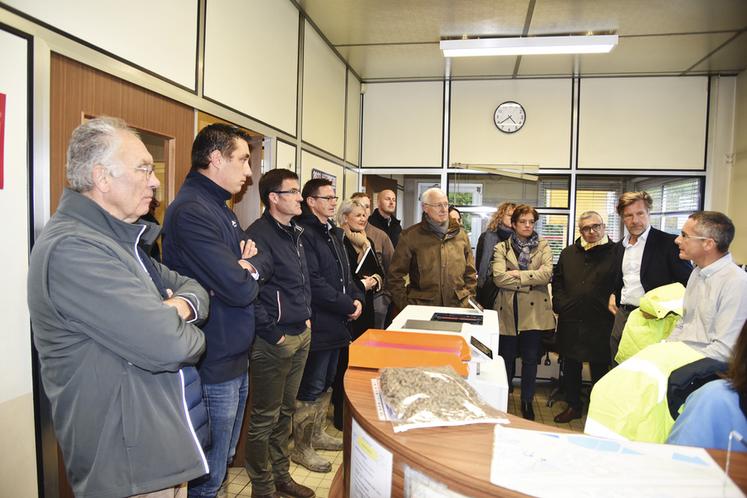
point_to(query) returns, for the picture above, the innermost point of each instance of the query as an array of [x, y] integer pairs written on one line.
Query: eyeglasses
[[686, 236], [325, 197], [439, 205], [597, 227], [293, 191], [147, 169]]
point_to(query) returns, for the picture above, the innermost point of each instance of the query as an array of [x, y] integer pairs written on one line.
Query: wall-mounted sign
[[2, 139], [317, 173]]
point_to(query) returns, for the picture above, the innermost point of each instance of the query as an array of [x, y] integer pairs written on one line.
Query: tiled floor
[[239, 482]]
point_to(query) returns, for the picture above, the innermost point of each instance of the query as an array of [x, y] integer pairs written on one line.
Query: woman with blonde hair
[[499, 229], [367, 275]]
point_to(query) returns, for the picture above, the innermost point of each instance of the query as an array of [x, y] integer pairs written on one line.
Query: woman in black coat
[[368, 276], [582, 282]]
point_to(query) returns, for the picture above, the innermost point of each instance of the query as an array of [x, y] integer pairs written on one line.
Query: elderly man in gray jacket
[[115, 330]]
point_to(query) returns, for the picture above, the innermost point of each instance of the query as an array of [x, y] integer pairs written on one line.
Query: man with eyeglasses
[[437, 257], [583, 279], [115, 330], [203, 239], [335, 301], [647, 258], [715, 305], [283, 312]]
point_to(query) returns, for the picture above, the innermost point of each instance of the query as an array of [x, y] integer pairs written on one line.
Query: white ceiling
[[398, 39]]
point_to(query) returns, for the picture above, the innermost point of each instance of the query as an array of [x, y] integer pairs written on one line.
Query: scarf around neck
[[524, 248], [358, 240], [439, 228]]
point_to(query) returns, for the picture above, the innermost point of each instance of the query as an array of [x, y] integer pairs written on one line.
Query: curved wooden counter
[[458, 457]]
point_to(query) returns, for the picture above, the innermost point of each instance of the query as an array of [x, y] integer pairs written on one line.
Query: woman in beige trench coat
[[522, 270]]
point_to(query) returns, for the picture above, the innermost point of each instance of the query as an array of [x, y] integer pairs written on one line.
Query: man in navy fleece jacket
[[203, 240]]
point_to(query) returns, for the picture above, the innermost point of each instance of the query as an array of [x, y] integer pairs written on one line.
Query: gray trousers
[[275, 373]]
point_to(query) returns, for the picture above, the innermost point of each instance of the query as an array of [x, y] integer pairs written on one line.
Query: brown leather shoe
[[292, 489], [567, 415]]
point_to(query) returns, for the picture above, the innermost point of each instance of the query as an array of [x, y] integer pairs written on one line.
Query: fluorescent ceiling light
[[592, 44]]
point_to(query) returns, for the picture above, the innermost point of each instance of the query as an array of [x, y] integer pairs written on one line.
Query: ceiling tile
[[635, 17], [395, 61], [346, 22], [730, 58]]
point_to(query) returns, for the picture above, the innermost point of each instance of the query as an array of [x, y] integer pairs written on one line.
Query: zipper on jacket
[[297, 244], [189, 423], [137, 242], [280, 313]]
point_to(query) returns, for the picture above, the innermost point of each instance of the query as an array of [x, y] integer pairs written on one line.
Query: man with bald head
[[437, 256], [383, 217]]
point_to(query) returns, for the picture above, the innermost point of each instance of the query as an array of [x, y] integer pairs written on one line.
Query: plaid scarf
[[523, 248]]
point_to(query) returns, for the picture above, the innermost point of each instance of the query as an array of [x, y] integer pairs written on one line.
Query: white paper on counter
[[576, 465], [370, 466]]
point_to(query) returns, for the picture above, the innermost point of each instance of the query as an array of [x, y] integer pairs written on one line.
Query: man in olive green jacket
[[437, 256]]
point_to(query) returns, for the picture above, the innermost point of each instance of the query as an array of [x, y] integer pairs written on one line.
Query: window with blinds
[[554, 229], [600, 194], [674, 200], [546, 191]]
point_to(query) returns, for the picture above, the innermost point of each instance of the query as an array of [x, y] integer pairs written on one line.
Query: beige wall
[[238, 33], [642, 123], [323, 95], [738, 188], [353, 123], [545, 139], [351, 184], [18, 458], [286, 156], [122, 29], [402, 124], [311, 161]]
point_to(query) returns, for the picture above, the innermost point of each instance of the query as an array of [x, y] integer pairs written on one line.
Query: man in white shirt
[[716, 296], [648, 259]]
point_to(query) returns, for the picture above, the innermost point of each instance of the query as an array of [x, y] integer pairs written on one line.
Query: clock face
[[509, 117]]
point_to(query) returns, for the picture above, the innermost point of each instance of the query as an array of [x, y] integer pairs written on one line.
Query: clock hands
[[509, 117]]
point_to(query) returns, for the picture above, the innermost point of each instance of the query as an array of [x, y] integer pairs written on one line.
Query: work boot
[[293, 489], [303, 430], [322, 440]]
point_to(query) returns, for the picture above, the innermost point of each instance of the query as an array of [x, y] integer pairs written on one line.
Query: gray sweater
[[111, 353]]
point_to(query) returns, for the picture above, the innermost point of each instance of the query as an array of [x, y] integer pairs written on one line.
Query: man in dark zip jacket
[[203, 240], [335, 301], [283, 311], [115, 330]]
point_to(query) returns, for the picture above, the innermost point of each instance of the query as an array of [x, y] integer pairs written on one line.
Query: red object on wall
[[2, 139]]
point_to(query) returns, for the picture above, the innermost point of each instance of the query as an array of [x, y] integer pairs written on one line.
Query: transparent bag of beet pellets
[[432, 397]]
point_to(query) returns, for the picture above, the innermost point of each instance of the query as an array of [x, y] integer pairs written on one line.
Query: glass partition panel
[[541, 191]]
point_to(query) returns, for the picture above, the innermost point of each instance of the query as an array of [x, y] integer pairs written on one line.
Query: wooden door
[[79, 92]]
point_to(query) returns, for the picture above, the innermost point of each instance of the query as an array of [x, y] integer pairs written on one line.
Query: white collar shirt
[[715, 309], [632, 290]]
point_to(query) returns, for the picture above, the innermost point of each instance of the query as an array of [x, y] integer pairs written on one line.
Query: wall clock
[[509, 117]]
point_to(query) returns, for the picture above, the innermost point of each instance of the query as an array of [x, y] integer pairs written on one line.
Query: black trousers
[[572, 379]]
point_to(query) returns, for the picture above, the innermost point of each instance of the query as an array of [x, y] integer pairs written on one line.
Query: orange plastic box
[[387, 348]]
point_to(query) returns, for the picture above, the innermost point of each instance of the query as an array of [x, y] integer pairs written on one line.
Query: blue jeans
[[225, 403], [319, 374], [529, 344]]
